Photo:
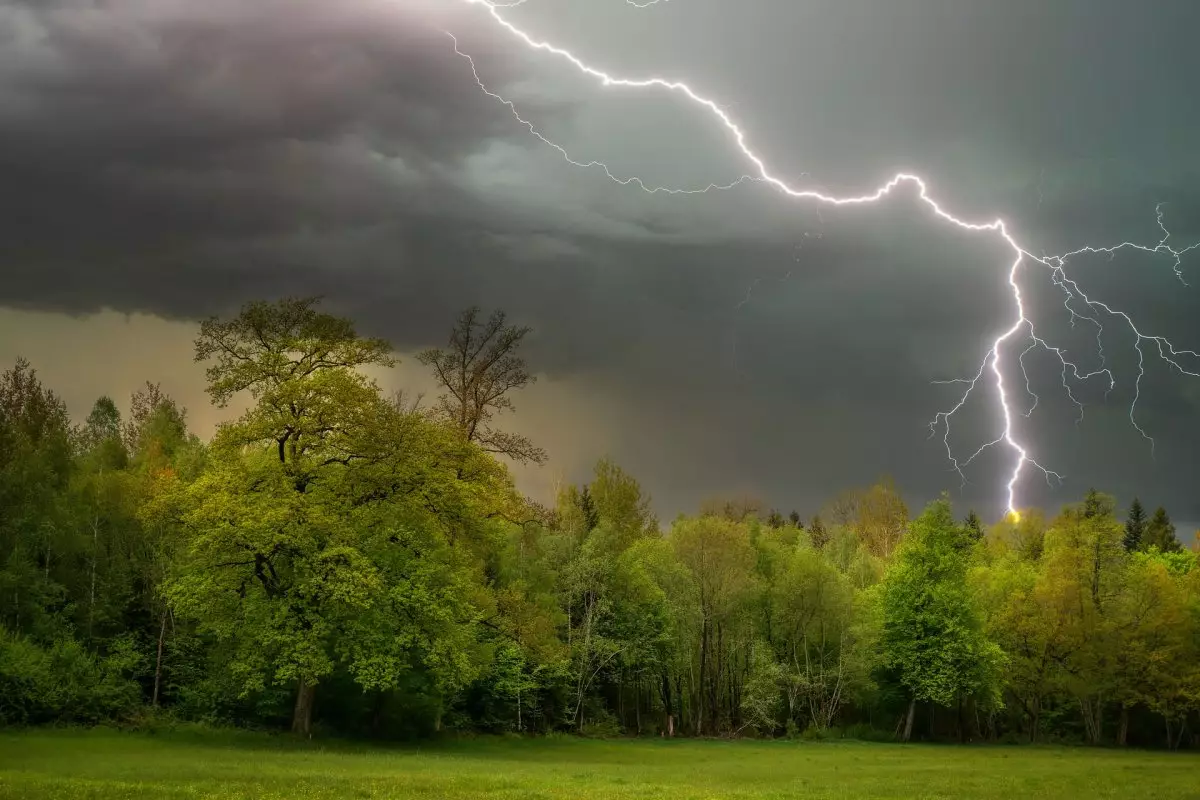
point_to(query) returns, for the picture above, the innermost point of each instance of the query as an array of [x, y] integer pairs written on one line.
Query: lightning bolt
[[1021, 328]]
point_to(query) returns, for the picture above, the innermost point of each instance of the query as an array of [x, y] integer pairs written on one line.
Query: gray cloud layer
[[179, 158]]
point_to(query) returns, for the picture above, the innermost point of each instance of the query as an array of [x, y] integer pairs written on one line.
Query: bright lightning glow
[[1021, 323]]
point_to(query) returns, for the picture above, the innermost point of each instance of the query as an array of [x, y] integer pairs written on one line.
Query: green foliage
[[932, 636], [356, 566], [1160, 533], [1096, 504], [307, 551], [762, 699], [271, 348], [63, 682], [974, 525], [1135, 526]]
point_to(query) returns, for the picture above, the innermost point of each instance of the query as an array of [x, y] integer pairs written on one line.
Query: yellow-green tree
[[720, 559], [932, 639], [320, 533]]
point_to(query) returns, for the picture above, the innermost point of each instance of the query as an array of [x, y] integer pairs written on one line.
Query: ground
[[109, 764]]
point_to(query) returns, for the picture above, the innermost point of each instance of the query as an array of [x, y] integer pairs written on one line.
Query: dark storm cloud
[[141, 140], [167, 83], [182, 157]]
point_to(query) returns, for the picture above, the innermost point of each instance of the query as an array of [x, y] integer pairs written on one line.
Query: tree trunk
[[302, 717], [908, 721], [377, 714], [668, 706], [95, 555], [1093, 718], [621, 721], [701, 711], [637, 706], [1179, 736], [1123, 728], [162, 634], [714, 691]]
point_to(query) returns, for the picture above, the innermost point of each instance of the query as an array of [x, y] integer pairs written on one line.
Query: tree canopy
[[333, 560]]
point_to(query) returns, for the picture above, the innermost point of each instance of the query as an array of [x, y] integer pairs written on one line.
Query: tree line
[[335, 559]]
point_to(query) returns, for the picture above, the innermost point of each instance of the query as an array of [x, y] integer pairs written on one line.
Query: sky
[[163, 160]]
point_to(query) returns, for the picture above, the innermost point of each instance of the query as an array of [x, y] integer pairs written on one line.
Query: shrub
[[64, 682], [865, 733], [601, 726], [814, 734]]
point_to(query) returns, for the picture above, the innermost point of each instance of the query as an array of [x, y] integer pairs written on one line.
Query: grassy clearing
[[106, 764]]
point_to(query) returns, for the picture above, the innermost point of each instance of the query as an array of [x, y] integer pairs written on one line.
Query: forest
[[336, 561]]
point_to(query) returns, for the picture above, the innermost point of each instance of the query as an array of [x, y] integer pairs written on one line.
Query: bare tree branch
[[478, 370]]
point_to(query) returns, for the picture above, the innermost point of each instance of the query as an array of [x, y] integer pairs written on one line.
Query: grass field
[[106, 764]]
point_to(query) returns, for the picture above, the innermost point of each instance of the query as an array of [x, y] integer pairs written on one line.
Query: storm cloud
[[179, 158]]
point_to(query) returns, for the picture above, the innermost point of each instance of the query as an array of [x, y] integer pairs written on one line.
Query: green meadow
[[109, 764]]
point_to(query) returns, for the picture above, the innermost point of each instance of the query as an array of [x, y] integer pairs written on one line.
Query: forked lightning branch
[[996, 369]]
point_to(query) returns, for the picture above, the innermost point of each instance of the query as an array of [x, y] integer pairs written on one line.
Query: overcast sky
[[161, 160]]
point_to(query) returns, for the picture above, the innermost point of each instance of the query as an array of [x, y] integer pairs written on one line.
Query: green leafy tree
[[1160, 533], [932, 636], [1057, 616], [299, 557], [591, 639], [877, 514], [1095, 504], [1153, 642], [1025, 534], [157, 426], [662, 594], [761, 702], [1029, 608], [39, 549], [718, 554], [819, 634], [588, 508], [101, 435], [1085, 554], [610, 604], [334, 550], [621, 503], [514, 678], [818, 533], [301, 367], [645, 619], [974, 525]]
